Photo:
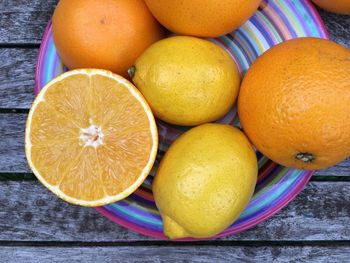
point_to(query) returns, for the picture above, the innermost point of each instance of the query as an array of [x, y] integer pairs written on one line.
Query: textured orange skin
[[104, 34], [202, 18], [335, 6], [296, 99]]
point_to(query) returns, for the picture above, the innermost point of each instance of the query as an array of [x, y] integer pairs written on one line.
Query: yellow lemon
[[187, 80], [204, 181]]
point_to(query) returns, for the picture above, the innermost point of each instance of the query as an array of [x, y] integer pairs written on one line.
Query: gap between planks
[[246, 243], [31, 177]]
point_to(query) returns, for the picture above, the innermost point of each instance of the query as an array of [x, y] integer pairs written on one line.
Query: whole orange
[[202, 18], [294, 103], [335, 6], [104, 34]]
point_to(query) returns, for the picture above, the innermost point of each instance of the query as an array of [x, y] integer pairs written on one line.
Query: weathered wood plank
[[17, 72], [23, 21], [341, 169], [29, 212], [177, 254], [338, 27], [12, 157]]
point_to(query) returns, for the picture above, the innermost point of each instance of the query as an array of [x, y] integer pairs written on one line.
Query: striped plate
[[274, 22]]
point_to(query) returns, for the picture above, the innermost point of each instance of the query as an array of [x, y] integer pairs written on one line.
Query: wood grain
[[17, 71], [12, 157], [167, 254], [23, 21], [29, 212], [338, 27]]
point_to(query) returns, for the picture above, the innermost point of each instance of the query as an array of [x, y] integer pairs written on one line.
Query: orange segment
[[75, 182], [112, 172], [91, 137], [69, 97], [51, 160], [47, 126]]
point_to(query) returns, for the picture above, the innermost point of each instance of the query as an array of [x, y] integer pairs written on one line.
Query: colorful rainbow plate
[[274, 22]]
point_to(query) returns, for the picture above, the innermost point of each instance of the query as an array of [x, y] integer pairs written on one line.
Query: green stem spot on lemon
[[131, 71]]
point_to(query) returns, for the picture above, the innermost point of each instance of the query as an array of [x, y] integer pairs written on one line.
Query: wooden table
[[36, 226]]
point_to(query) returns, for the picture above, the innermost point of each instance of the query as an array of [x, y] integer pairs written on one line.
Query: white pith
[[91, 136]]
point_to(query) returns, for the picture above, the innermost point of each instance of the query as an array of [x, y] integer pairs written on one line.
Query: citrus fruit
[[202, 18], [90, 137], [204, 181], [104, 34], [294, 103], [335, 6], [187, 80]]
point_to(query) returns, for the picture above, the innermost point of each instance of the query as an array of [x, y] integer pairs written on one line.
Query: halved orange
[[91, 138]]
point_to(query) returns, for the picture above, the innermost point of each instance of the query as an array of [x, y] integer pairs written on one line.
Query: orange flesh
[[90, 137]]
